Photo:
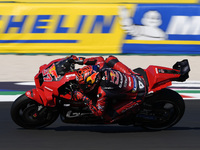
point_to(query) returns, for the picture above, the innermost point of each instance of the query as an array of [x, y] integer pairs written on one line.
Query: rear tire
[[23, 112], [168, 108]]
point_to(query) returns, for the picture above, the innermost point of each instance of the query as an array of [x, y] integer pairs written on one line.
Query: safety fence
[[100, 27]]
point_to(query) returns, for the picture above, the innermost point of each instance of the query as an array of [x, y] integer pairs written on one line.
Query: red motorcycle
[[162, 108]]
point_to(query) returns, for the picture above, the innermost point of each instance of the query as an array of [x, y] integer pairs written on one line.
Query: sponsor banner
[[102, 1], [60, 28], [100, 28], [161, 29]]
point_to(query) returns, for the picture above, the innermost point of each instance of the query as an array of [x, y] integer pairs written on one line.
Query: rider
[[101, 80]]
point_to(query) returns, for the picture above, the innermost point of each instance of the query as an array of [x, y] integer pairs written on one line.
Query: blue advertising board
[[161, 29]]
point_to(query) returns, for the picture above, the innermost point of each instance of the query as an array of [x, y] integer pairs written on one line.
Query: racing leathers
[[117, 82]]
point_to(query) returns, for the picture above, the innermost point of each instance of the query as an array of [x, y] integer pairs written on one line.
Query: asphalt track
[[185, 135], [60, 136]]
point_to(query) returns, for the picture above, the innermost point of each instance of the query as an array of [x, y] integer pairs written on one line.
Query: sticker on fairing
[[134, 84]]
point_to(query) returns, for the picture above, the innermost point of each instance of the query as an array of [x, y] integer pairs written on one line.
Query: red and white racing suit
[[117, 82]]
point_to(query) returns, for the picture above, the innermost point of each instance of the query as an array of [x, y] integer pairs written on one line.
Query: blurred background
[[139, 32]]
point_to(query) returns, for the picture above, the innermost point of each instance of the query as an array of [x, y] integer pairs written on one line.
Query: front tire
[[24, 112], [167, 107]]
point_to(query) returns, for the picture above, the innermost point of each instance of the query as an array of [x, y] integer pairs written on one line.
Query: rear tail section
[[184, 68], [161, 77]]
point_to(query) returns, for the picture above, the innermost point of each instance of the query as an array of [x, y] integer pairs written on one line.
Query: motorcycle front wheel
[[167, 108], [26, 113]]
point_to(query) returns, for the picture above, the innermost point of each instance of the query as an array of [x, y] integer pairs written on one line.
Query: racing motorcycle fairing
[[55, 89], [34, 95], [43, 97], [184, 68], [157, 77], [47, 83], [160, 77]]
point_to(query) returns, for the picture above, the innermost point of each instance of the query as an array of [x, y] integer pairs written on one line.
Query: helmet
[[87, 77]]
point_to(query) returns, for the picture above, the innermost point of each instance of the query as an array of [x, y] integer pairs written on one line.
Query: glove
[[79, 96]]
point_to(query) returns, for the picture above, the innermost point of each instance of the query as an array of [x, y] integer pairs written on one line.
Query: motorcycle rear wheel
[[24, 113], [168, 108]]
